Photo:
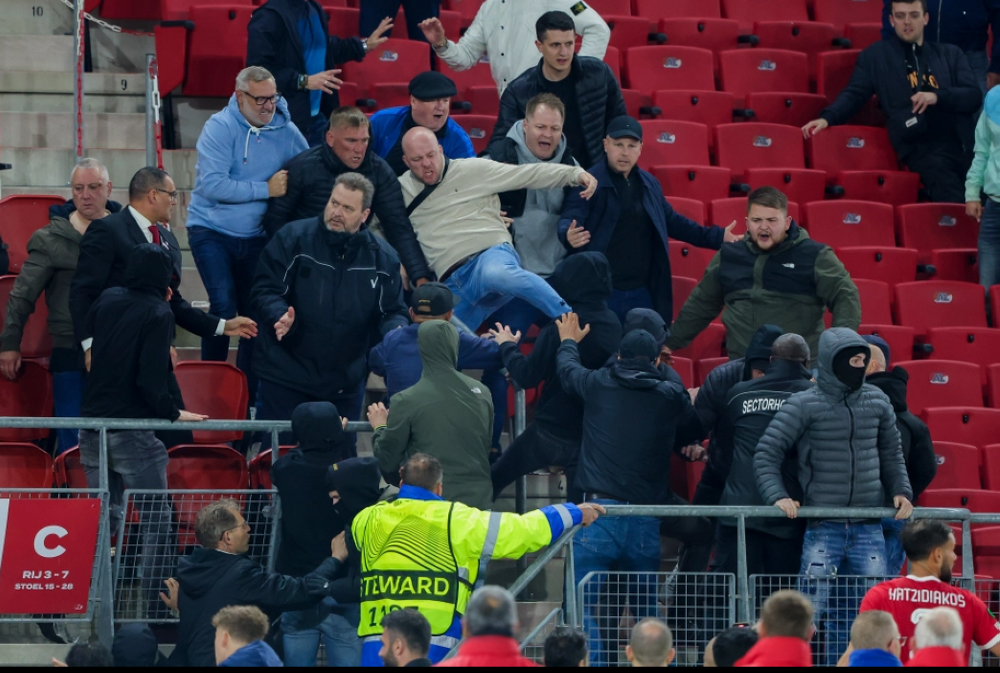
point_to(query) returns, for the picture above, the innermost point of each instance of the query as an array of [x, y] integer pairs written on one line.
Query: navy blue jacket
[[963, 23], [273, 42], [874, 659], [600, 214], [397, 358], [257, 654]]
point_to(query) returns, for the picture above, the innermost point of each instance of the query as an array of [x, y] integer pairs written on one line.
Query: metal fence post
[[521, 485], [104, 614], [79, 51], [569, 587], [742, 580]]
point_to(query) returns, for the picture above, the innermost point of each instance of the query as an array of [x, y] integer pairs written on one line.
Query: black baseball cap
[[625, 127], [432, 299], [432, 85], [639, 344]]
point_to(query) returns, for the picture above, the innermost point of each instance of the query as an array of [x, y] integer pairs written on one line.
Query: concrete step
[[23, 80], [63, 103], [42, 168], [37, 53], [55, 130], [35, 17]]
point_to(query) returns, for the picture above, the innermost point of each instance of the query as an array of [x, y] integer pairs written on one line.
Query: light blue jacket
[[984, 174], [235, 161]]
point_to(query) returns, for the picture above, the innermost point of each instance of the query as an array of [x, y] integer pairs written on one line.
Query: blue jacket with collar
[[600, 214], [963, 23], [387, 127], [873, 659]]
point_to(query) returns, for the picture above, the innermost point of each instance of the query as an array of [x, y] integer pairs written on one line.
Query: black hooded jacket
[[653, 323], [750, 407], [132, 327], [584, 281], [308, 519], [311, 176], [918, 450], [631, 418]]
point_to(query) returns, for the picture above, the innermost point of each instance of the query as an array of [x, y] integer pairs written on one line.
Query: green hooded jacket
[[445, 414]]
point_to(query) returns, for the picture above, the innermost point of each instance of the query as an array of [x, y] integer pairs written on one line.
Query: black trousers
[[276, 402], [373, 11], [942, 165], [532, 450], [766, 554]]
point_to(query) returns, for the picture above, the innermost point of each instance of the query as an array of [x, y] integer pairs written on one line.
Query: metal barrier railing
[[533, 645]]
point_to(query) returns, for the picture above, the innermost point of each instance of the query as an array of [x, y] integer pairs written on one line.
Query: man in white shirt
[[503, 33]]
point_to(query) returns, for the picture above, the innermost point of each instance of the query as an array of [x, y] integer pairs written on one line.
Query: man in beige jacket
[[460, 229]]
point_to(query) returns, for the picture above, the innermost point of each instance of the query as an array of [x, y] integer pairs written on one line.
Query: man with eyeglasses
[[105, 251], [241, 152]]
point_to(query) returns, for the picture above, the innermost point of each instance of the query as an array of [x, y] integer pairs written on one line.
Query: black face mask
[[852, 377]]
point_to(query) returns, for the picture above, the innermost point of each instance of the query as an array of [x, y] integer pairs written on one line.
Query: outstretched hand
[[729, 236], [569, 328], [284, 324], [502, 335]]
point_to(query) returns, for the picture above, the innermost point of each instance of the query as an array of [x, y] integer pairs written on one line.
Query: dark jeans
[[227, 266], [942, 165], [373, 11], [989, 246], [531, 451], [623, 301], [275, 402], [67, 395], [766, 554], [895, 555], [172, 438], [707, 493], [137, 460], [336, 626]]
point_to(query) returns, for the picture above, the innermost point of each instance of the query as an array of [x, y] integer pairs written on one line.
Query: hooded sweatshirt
[[235, 161], [984, 174], [52, 254], [445, 414], [257, 654], [780, 652], [308, 520], [536, 212], [584, 281], [849, 452]]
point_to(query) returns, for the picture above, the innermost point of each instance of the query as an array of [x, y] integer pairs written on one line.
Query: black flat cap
[[432, 85]]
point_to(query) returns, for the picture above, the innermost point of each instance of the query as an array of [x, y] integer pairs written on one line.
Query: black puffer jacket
[[598, 97], [311, 176], [918, 450], [584, 281], [848, 444]]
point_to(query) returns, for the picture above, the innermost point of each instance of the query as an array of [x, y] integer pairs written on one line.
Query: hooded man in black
[[584, 281]]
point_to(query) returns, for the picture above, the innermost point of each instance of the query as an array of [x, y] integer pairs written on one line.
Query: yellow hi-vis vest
[[428, 555]]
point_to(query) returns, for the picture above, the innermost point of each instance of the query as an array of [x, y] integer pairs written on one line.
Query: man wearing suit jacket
[[105, 250]]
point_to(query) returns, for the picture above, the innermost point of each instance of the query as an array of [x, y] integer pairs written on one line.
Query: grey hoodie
[[536, 231], [848, 445]]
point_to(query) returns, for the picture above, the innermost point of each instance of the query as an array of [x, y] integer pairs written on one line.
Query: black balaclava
[[357, 480], [852, 377]]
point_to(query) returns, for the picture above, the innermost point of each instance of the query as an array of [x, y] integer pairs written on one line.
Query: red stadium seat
[[22, 215], [479, 128], [842, 12], [851, 148], [991, 466], [959, 498], [613, 58], [993, 385], [994, 296], [485, 100], [391, 94], [705, 183], [960, 264], [743, 146], [796, 109], [896, 188], [36, 341], [936, 226], [717, 35], [724, 212], [217, 48], [204, 467], [611, 7], [939, 303], [29, 395], [800, 185], [833, 71], [394, 60], [958, 466], [69, 470], [628, 31], [889, 265], [935, 383], [676, 9], [689, 208], [846, 223], [344, 21], [687, 260], [965, 425], [703, 368], [650, 69], [636, 104], [685, 369], [673, 143], [159, 10], [749, 11], [863, 35], [744, 71], [710, 344], [216, 389], [682, 287], [876, 301], [477, 76], [260, 471], [980, 345], [24, 465], [704, 107], [807, 37], [899, 338]]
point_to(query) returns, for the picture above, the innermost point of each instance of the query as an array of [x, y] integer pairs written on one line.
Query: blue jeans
[[492, 279], [623, 301], [303, 629], [895, 556], [227, 266], [622, 544], [989, 246], [831, 552], [67, 395]]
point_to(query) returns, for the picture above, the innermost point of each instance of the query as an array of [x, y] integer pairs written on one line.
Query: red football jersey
[[908, 598]]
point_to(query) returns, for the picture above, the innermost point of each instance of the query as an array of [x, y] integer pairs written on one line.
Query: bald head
[[423, 155], [651, 644], [877, 363]]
